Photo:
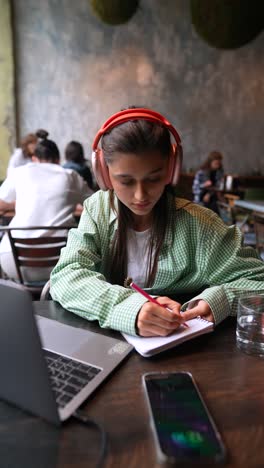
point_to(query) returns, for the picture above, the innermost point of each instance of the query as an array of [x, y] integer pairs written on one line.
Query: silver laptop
[[49, 368]]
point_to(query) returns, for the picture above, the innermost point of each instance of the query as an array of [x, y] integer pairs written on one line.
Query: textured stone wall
[[73, 71], [7, 127]]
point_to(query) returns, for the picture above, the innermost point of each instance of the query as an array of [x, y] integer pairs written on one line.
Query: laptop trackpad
[[59, 337]]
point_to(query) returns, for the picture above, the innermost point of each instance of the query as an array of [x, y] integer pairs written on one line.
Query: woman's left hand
[[201, 309]]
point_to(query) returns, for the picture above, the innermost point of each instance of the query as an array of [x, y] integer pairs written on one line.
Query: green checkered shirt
[[204, 254]]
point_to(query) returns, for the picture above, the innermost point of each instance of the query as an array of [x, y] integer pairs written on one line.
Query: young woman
[[207, 179], [135, 227]]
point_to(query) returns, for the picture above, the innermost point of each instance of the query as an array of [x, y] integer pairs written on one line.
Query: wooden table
[[231, 382]]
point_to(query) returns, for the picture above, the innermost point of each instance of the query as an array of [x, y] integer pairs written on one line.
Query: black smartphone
[[184, 431]]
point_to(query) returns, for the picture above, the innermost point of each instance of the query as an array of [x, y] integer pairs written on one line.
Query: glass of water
[[250, 325]]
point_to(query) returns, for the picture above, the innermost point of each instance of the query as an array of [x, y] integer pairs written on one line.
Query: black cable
[[90, 423]]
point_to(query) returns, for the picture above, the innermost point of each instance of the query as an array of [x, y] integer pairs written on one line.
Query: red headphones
[[99, 165]]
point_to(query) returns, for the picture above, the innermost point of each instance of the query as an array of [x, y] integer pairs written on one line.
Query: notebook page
[[147, 346]]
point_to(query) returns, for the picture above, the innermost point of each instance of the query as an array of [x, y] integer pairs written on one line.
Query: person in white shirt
[[24, 153], [44, 194]]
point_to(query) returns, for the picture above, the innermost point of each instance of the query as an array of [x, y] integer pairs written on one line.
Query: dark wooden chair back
[[36, 252]]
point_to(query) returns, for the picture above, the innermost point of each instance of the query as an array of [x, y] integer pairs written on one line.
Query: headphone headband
[[139, 113]]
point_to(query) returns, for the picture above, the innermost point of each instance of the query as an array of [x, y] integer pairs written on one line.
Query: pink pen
[[131, 284]]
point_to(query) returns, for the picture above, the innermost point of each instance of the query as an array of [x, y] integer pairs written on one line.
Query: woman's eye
[[127, 182], [147, 181], [157, 179]]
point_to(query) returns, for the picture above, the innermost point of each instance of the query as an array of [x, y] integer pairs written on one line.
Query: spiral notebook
[[155, 344]]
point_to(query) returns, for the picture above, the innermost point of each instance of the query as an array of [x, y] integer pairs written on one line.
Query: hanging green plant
[[227, 24], [114, 11]]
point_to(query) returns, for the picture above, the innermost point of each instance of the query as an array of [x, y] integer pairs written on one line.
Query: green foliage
[[114, 11], [227, 24]]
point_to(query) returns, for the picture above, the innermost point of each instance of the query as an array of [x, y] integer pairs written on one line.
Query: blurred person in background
[[24, 153], [75, 160], [43, 194], [208, 179]]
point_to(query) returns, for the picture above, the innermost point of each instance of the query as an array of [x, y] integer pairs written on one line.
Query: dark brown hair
[[46, 150], [214, 155], [42, 134], [32, 138], [74, 152], [29, 138], [138, 137]]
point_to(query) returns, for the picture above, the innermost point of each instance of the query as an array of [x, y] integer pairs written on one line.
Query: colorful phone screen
[[183, 425]]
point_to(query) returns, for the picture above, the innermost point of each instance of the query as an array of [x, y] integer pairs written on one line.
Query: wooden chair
[[5, 218], [45, 293], [259, 231], [35, 252], [230, 198]]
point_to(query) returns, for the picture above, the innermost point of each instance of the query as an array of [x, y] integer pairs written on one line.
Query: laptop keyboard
[[68, 376]]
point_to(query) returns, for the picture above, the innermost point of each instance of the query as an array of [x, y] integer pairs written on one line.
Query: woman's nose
[[140, 192]]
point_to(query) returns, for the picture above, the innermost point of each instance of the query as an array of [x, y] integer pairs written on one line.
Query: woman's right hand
[[155, 320]]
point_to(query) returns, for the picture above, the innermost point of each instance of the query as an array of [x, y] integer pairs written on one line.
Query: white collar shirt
[[45, 194]]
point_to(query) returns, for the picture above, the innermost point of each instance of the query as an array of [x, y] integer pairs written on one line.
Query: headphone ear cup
[[175, 164], [100, 170]]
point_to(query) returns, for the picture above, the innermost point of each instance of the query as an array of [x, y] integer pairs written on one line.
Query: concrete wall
[[7, 126], [73, 71]]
